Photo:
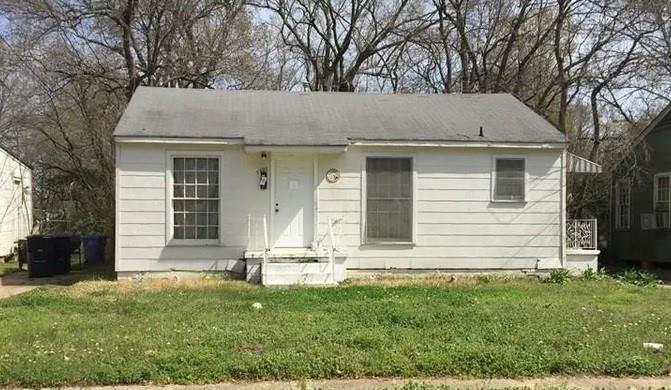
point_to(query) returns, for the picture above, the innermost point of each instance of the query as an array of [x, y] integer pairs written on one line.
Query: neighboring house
[[16, 205], [340, 181], [641, 201]]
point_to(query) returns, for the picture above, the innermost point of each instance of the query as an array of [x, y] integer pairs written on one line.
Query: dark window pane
[[178, 164], [190, 205], [178, 205], [197, 181], [389, 199], [178, 191], [190, 191], [663, 190], [190, 164], [190, 219], [190, 177], [202, 191], [178, 232], [509, 183]]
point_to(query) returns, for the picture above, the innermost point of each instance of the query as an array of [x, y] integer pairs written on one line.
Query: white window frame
[[169, 217], [364, 200], [622, 184], [493, 178], [655, 188]]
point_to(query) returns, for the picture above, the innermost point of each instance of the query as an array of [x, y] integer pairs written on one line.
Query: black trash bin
[[94, 248], [48, 255], [60, 261], [40, 250]]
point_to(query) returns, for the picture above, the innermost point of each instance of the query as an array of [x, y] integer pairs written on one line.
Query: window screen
[[509, 179], [622, 204], [662, 192], [388, 199], [195, 198]]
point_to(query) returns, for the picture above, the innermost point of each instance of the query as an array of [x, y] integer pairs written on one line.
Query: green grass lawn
[[109, 333]]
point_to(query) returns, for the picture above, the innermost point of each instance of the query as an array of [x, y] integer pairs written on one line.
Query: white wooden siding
[[16, 206], [142, 203], [457, 225]]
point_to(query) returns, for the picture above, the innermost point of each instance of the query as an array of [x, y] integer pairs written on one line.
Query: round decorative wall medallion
[[333, 175]]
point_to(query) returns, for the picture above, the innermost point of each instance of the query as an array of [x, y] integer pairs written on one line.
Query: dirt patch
[[102, 287], [432, 279]]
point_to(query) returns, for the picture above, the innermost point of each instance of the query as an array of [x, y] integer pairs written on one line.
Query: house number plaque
[[333, 175]]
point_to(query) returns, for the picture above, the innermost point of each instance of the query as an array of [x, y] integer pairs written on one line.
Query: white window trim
[[413, 227], [493, 178], [169, 217], [619, 186], [655, 188]]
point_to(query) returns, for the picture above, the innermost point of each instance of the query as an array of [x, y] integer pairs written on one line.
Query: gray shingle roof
[[321, 118]]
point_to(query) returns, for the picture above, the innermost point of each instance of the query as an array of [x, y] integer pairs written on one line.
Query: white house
[[16, 205], [303, 187]]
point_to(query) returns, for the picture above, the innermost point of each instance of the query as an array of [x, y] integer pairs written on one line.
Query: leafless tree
[[339, 40]]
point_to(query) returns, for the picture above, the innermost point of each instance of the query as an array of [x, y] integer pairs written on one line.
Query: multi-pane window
[[509, 178], [388, 199], [622, 204], [662, 195], [195, 198], [662, 192]]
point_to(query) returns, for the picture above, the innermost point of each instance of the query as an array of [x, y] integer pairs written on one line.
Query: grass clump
[[112, 333], [591, 275], [558, 276], [637, 278]]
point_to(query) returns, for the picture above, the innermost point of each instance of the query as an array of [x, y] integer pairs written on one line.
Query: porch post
[[315, 183], [271, 201]]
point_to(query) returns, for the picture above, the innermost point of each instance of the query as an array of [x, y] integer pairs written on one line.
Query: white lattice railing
[[581, 234]]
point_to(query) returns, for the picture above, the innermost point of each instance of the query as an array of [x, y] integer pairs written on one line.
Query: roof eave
[[343, 147], [177, 140], [465, 144], [16, 157]]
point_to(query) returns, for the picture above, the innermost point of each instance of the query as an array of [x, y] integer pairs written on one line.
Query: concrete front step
[[291, 272], [288, 253], [286, 274], [276, 267], [298, 279]]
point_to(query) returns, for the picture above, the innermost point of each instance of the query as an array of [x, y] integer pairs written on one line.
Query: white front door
[[293, 206]]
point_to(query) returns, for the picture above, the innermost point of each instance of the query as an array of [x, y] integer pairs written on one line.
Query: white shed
[[305, 187], [16, 205]]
